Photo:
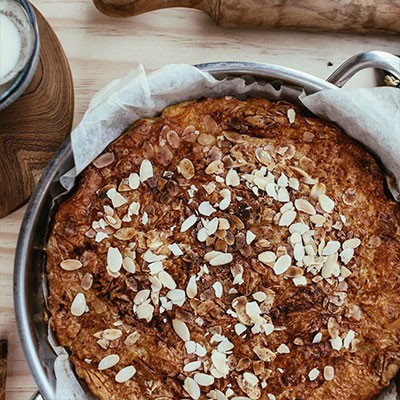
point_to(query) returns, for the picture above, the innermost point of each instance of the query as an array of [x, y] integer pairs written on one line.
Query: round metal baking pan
[[29, 272]]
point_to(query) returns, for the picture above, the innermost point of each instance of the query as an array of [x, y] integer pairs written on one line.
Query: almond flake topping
[[329, 373], [250, 236], [191, 289], [78, 306], [331, 247], [175, 249], [250, 378], [326, 203], [145, 311], [192, 366], [203, 379], [221, 259], [291, 114], [188, 223], [108, 362], [167, 280], [351, 243], [240, 328], [267, 257], [141, 296], [205, 208], [305, 206], [125, 374], [232, 178], [313, 374], [133, 180], [114, 259], [283, 349], [111, 334], [116, 198], [282, 264], [186, 168], [192, 388], [218, 289], [287, 218], [70, 265], [146, 170], [181, 329]]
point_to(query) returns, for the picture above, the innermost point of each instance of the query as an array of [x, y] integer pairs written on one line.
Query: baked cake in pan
[[229, 250]]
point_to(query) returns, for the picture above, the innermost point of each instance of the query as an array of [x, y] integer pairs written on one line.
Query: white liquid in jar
[[10, 45]]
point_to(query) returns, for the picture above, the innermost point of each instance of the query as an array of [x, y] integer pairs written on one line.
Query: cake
[[229, 249]]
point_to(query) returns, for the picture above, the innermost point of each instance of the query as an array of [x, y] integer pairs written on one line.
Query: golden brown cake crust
[[290, 306]]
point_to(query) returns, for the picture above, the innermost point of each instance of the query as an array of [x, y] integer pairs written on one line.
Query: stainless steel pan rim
[[29, 272]]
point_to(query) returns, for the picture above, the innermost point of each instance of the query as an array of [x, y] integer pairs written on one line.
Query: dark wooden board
[[33, 127]]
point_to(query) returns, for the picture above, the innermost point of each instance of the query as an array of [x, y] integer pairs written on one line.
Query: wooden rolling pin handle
[[128, 8], [3, 368], [363, 16]]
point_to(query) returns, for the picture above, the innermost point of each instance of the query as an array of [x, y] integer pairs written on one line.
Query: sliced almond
[[218, 289], [146, 170], [205, 208], [129, 265], [192, 366], [326, 203], [111, 334], [104, 160], [318, 189], [134, 180], [108, 362], [263, 156], [282, 264], [186, 168], [87, 281], [267, 257], [181, 329], [329, 266], [331, 247], [291, 114], [232, 178], [167, 280], [70, 264], [188, 223], [351, 243], [191, 289], [305, 206], [145, 311], [116, 198], [313, 374], [78, 306], [114, 259], [215, 167], [141, 296], [329, 373], [204, 379], [283, 349], [192, 388], [221, 259], [125, 374], [287, 218]]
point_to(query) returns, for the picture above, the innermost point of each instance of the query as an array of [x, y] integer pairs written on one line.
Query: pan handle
[[371, 59], [37, 396]]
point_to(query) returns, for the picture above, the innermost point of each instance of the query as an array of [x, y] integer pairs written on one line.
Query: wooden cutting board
[[33, 127], [365, 16]]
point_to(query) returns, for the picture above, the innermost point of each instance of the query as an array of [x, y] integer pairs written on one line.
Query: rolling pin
[[3, 368], [361, 16]]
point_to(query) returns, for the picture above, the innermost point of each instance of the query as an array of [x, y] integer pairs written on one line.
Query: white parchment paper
[[369, 115], [372, 116]]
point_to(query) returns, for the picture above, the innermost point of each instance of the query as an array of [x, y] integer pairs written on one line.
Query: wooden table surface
[[101, 49]]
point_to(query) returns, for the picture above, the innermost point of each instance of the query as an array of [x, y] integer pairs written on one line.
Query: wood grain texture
[[366, 16], [27, 139], [100, 49]]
